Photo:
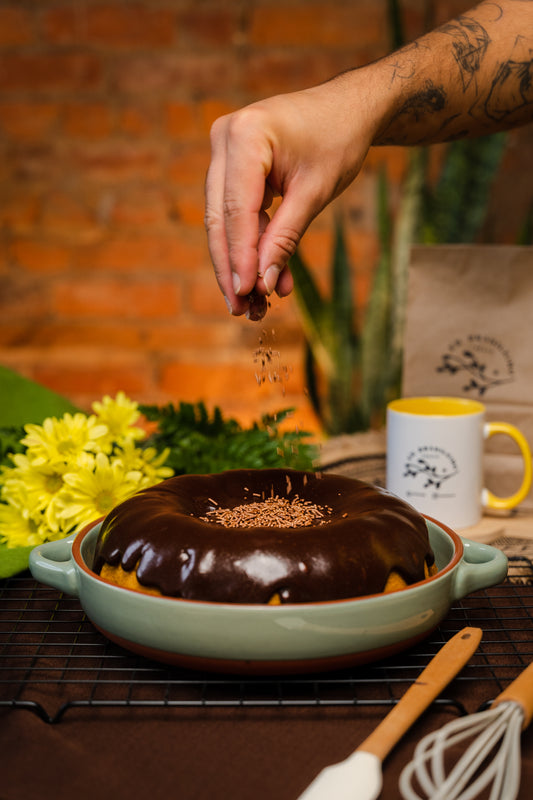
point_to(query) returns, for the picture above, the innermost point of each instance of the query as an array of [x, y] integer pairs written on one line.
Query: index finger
[[248, 164]]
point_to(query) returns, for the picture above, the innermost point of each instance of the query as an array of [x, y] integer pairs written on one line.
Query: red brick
[[39, 256], [210, 27], [91, 379], [50, 71], [16, 26], [145, 254], [136, 121], [70, 334], [194, 333], [24, 296], [318, 25], [192, 381], [67, 217], [118, 299], [88, 120], [212, 109], [200, 73], [187, 252], [28, 120], [130, 25], [4, 260], [189, 164], [116, 161], [189, 207], [181, 121], [204, 298], [269, 71], [62, 25], [141, 207], [19, 213]]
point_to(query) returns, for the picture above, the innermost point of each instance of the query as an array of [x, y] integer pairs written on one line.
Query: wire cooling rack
[[52, 659]]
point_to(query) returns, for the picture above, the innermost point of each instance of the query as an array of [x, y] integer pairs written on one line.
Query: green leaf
[[23, 401], [13, 560], [456, 208], [315, 313], [201, 443]]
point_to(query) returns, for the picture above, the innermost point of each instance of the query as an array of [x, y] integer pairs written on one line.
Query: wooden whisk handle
[[520, 691], [444, 666]]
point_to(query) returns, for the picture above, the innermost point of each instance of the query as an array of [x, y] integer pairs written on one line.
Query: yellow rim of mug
[[436, 406]]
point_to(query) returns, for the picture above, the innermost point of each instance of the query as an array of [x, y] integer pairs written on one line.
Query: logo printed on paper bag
[[481, 361], [430, 467]]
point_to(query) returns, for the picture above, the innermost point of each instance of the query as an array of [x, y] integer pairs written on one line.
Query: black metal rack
[[52, 659]]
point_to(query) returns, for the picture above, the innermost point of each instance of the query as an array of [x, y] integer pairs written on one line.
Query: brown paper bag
[[469, 333]]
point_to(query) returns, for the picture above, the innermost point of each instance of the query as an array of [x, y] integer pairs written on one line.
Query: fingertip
[[285, 283], [270, 278]]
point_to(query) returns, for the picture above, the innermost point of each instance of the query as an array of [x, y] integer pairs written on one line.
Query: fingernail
[[236, 283], [230, 309], [270, 278]]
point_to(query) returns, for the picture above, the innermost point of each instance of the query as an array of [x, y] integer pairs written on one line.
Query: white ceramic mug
[[435, 458]]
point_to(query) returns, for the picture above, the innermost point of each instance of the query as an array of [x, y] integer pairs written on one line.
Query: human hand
[[305, 147]]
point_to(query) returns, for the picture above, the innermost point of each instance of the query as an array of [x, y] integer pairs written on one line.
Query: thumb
[[282, 236]]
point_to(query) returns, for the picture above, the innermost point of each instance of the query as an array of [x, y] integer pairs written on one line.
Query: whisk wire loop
[[486, 728]]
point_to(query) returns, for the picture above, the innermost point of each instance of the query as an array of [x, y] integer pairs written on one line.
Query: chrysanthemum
[[119, 415], [147, 460], [41, 482], [91, 493], [16, 528], [75, 470], [62, 440]]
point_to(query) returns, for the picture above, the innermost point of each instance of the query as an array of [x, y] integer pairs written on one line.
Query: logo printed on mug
[[430, 467], [435, 458]]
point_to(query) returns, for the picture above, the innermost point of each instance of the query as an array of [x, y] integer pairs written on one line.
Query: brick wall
[[105, 109]]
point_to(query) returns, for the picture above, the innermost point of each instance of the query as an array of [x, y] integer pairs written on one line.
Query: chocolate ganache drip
[[170, 535]]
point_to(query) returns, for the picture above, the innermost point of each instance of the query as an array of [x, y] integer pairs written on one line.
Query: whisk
[[499, 727]]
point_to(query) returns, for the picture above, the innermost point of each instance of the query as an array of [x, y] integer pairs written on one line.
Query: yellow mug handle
[[491, 500]]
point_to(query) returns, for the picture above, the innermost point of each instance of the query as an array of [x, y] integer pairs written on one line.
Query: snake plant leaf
[[314, 311], [456, 208], [341, 288], [375, 339], [406, 231]]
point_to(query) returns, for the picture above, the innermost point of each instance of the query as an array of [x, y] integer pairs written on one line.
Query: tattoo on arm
[[429, 100], [402, 63], [470, 43], [512, 86]]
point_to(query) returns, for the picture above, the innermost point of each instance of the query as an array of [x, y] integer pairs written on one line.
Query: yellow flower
[[75, 470], [62, 440], [94, 490], [21, 524], [147, 460], [119, 415], [16, 528], [41, 482]]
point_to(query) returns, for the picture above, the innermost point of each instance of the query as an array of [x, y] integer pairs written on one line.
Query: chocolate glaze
[[368, 534]]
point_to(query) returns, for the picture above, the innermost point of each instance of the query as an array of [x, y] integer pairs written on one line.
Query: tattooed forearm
[[428, 100], [470, 42], [471, 76], [512, 87]]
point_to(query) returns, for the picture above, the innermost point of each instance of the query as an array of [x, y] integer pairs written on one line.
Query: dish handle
[[51, 563], [480, 567]]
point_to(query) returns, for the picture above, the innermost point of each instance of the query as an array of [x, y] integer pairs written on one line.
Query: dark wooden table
[[81, 718]]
